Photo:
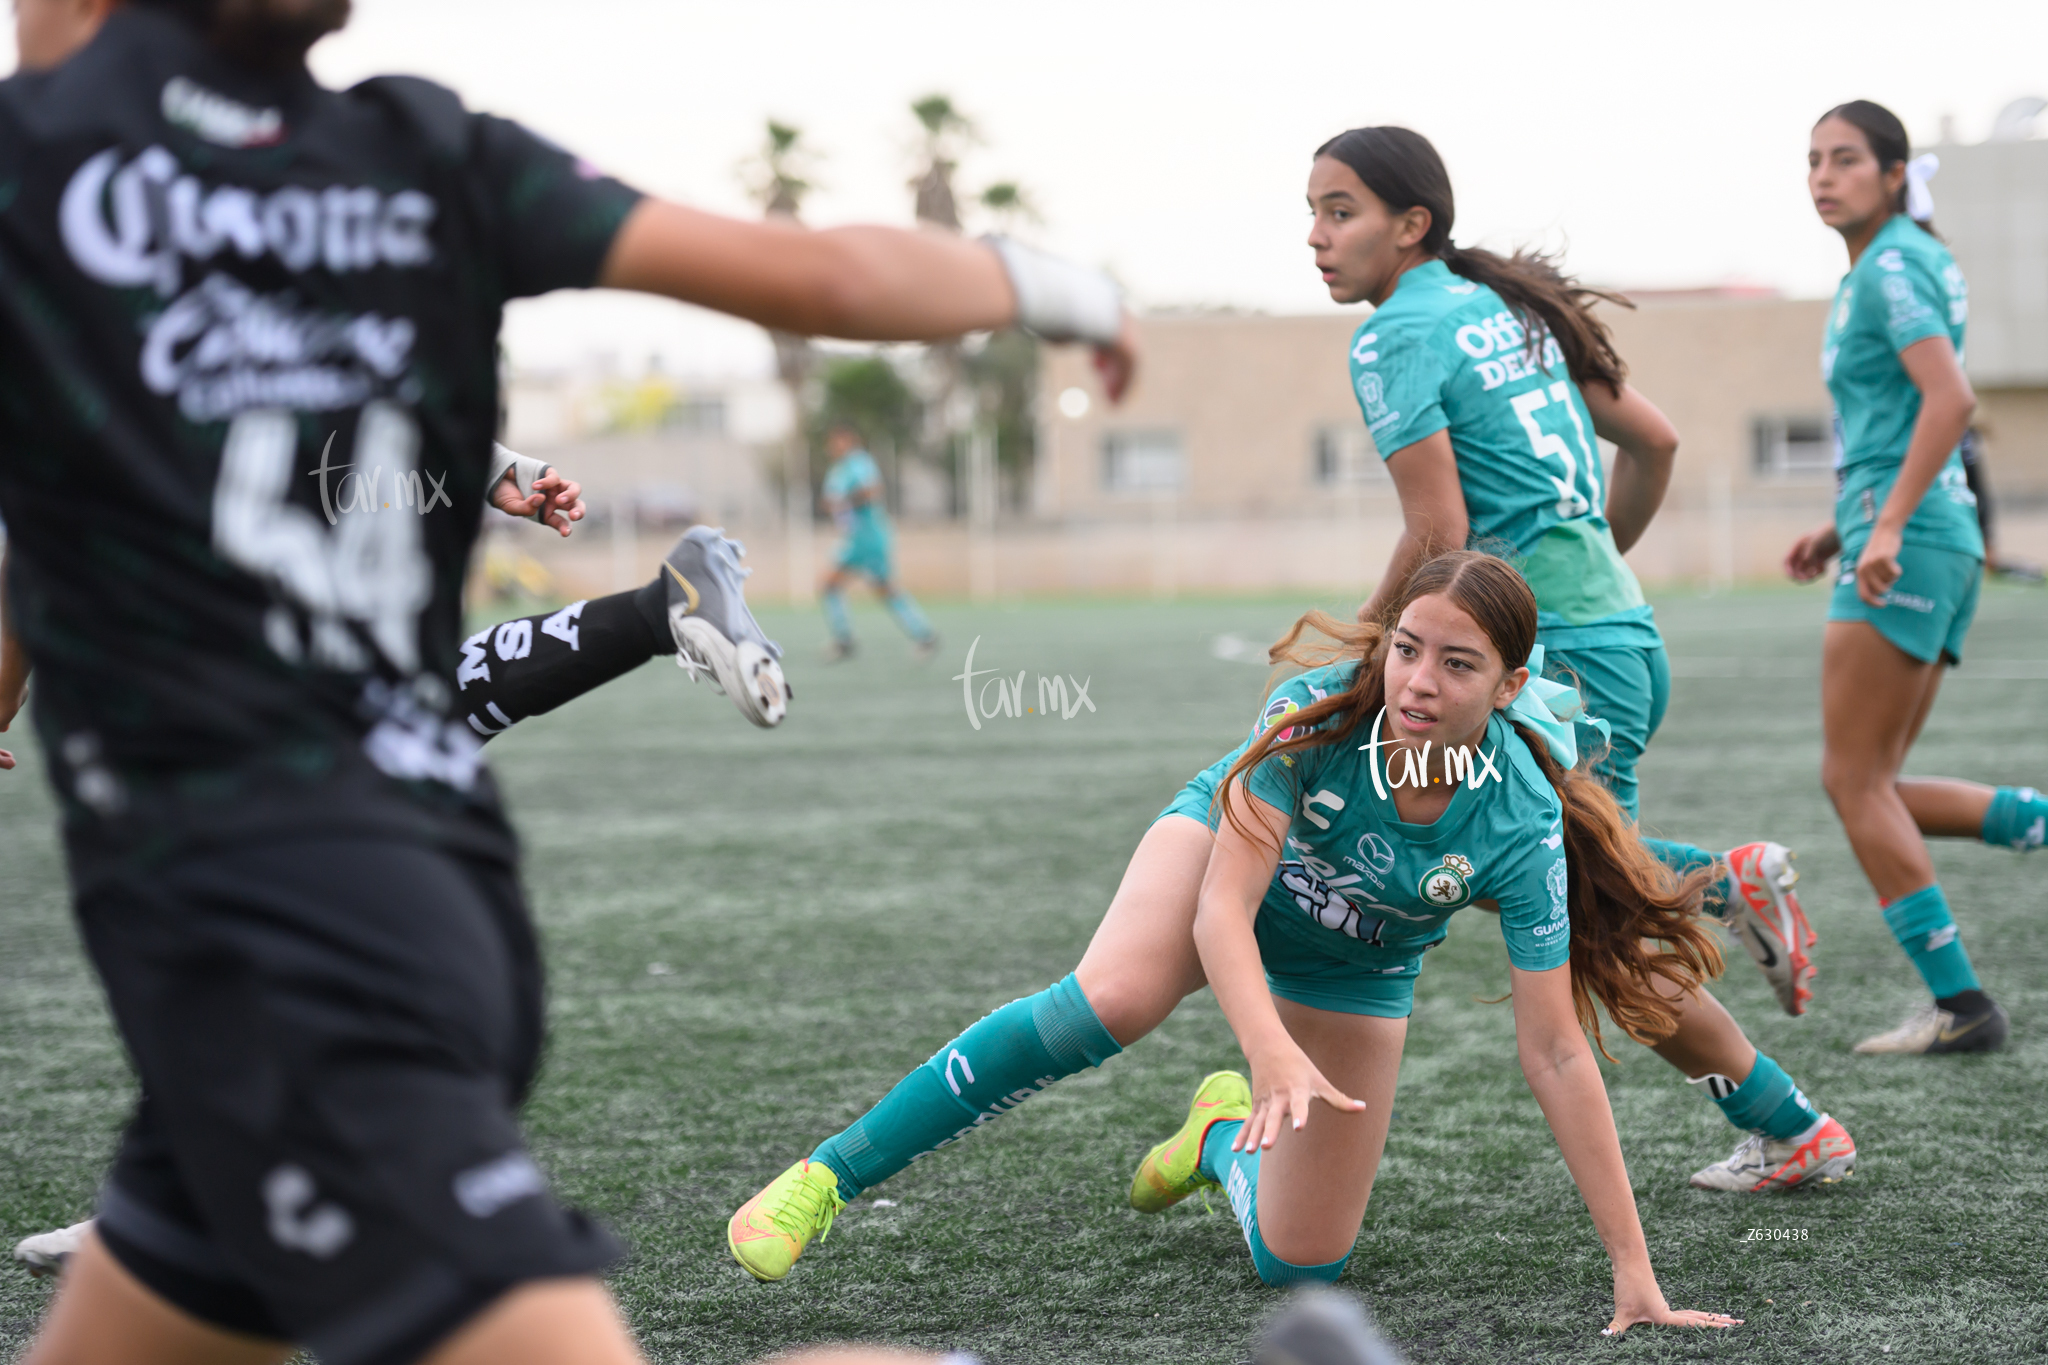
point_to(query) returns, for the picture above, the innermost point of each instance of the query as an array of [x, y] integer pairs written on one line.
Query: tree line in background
[[911, 403]]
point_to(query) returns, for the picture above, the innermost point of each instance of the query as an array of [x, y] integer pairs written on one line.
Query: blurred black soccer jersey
[[248, 390]]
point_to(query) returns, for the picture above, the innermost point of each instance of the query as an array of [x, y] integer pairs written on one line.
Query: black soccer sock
[[1965, 1004], [531, 665]]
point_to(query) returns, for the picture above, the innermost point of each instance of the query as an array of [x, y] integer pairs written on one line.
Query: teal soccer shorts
[[1927, 612]]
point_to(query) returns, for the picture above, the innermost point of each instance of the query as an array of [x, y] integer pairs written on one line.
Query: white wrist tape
[[524, 469], [1059, 300]]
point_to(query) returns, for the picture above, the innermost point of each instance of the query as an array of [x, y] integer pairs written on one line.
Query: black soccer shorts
[[333, 1036]]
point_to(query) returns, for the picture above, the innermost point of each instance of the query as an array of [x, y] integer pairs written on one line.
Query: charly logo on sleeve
[[219, 346], [1448, 885]]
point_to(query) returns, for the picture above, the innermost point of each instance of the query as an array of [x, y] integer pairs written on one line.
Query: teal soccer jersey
[[1904, 289], [1444, 352], [1357, 882], [853, 474]]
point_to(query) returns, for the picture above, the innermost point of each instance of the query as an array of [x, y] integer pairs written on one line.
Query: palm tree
[[1010, 206], [946, 133], [776, 175]]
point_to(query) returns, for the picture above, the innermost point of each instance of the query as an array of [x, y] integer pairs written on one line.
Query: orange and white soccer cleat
[[1764, 915], [1822, 1155]]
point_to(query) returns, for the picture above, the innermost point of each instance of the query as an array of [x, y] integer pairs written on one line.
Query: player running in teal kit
[[1912, 557], [1485, 381], [852, 494]]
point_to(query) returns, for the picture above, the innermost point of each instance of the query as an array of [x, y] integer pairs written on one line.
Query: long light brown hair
[[1634, 921]]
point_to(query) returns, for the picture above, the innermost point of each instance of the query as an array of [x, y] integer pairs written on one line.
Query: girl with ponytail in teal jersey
[[1487, 382], [1416, 770], [1912, 557]]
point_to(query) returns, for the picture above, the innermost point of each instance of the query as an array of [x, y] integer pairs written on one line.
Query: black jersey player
[[247, 395]]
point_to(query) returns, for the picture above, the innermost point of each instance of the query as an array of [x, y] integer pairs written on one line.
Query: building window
[[1143, 462], [695, 416], [1794, 447], [1345, 455]]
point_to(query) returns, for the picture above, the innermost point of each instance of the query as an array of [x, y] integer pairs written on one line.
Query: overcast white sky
[[1662, 144]]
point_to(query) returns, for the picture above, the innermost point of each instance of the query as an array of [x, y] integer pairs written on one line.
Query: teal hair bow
[[1552, 710]]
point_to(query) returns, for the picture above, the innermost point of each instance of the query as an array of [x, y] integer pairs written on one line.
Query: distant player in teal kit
[[853, 496], [1486, 382], [1912, 557]]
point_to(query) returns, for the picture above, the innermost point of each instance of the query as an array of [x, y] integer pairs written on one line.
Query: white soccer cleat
[[714, 631], [1822, 1155], [1764, 915], [44, 1253], [1932, 1029]]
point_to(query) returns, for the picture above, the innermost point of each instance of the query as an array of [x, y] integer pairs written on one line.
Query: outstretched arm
[[13, 665], [1559, 1065], [1646, 447], [1241, 866], [865, 283], [1433, 513]]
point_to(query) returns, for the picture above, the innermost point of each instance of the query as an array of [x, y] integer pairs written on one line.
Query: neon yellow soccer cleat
[[772, 1229], [1172, 1171]]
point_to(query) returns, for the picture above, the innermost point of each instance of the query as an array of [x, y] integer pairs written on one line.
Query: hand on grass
[[555, 501], [1663, 1315], [1645, 1303], [1808, 558], [1283, 1086]]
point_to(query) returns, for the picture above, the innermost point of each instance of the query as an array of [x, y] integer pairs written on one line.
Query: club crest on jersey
[[1447, 885], [1372, 395]]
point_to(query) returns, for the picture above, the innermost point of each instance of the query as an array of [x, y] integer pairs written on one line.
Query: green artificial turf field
[[753, 935]]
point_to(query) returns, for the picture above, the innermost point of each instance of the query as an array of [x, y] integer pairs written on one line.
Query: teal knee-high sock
[[1683, 858], [1927, 931], [1238, 1174], [2017, 818], [1002, 1061], [835, 615], [909, 616], [1765, 1102]]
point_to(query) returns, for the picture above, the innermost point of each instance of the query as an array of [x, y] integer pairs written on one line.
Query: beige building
[[1239, 462], [1240, 420]]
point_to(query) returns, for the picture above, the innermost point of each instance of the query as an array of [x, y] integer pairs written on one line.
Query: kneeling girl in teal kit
[[1417, 777], [1912, 557], [1143, 961]]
